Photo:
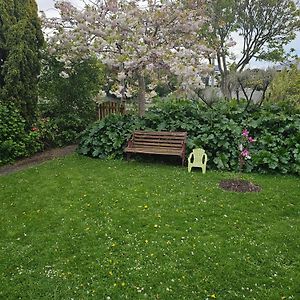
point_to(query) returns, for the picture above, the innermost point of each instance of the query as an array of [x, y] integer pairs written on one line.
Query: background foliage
[[286, 86], [68, 100]]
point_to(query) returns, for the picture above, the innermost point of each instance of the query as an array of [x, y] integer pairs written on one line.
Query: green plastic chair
[[197, 158]]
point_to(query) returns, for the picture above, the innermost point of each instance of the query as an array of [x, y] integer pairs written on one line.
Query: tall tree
[[137, 39], [21, 39], [264, 27]]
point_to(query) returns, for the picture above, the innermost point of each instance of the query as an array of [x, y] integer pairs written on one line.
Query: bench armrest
[[130, 144]]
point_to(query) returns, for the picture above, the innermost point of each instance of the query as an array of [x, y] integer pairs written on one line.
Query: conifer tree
[[21, 39]]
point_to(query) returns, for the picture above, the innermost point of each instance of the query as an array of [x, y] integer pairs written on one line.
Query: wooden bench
[[157, 142]]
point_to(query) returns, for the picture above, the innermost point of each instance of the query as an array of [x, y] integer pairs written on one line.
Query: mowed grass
[[80, 228]]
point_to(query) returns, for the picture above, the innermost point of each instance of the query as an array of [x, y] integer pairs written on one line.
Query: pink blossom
[[245, 132], [251, 139], [245, 153]]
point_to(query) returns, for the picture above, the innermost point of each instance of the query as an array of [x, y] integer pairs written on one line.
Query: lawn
[[80, 228]]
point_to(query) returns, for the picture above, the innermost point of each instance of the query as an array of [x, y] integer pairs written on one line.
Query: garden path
[[36, 159]]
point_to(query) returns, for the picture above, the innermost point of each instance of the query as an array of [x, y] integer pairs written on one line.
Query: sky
[[48, 7]]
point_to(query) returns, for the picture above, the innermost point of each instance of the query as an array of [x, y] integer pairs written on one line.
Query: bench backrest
[[174, 140]]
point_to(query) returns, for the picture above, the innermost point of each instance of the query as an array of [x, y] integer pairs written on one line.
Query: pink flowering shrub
[[244, 146]]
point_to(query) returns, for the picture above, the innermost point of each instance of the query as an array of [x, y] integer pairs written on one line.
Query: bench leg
[[183, 161], [128, 156]]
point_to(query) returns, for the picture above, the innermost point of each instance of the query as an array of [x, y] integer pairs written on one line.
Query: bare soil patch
[[37, 159], [239, 185]]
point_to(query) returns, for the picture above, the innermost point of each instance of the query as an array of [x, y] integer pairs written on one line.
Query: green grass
[[78, 228]]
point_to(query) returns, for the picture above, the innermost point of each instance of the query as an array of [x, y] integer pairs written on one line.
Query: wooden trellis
[[107, 108]]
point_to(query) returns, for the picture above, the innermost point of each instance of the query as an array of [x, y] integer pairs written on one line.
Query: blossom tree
[[136, 39]]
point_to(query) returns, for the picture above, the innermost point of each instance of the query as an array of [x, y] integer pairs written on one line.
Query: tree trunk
[[237, 95], [123, 96], [225, 86], [224, 72], [123, 99], [141, 94]]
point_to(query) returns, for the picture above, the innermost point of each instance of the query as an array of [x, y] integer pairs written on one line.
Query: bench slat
[[149, 150], [162, 133], [157, 138], [167, 137], [162, 144]]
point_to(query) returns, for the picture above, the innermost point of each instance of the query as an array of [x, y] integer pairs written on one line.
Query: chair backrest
[[199, 152], [200, 157]]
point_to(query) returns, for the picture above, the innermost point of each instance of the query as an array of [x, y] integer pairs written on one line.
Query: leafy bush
[[278, 143], [67, 129], [72, 93], [15, 142], [67, 101], [107, 137], [47, 131], [218, 130], [60, 131]]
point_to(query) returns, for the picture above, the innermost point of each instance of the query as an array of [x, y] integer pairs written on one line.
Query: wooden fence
[[107, 108]]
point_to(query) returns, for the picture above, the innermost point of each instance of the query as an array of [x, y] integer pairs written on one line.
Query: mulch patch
[[37, 159], [239, 185]]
